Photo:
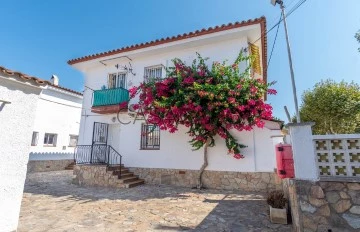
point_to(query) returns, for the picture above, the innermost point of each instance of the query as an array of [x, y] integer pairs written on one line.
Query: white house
[[27, 105], [56, 128], [25, 102], [161, 157]]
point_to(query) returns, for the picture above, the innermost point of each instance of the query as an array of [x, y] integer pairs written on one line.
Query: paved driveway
[[52, 203]]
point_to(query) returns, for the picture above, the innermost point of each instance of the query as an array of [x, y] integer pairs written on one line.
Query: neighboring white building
[[29, 104], [108, 75], [56, 127]]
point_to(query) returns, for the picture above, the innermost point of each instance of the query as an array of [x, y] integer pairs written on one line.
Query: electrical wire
[[287, 15], [272, 49]]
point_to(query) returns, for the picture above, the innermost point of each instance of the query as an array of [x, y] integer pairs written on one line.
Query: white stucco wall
[[58, 112], [175, 151], [16, 126]]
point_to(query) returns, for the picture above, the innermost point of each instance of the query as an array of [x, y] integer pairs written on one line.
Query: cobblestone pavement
[[52, 203]]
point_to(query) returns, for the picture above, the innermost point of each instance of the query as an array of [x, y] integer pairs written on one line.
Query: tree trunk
[[205, 164]]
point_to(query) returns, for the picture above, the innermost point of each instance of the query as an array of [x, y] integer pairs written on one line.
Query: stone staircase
[[126, 177], [70, 166]]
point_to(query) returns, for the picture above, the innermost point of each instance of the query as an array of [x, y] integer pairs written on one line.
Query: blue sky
[[38, 37]]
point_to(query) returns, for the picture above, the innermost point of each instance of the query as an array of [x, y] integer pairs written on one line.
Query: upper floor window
[[35, 138], [150, 137], [73, 140], [117, 80], [50, 139], [153, 73]]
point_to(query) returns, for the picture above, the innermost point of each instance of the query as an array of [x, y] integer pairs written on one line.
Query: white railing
[[338, 155]]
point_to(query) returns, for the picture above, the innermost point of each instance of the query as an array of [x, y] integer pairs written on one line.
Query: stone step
[[129, 174], [129, 179], [134, 183], [123, 171], [114, 168], [70, 166]]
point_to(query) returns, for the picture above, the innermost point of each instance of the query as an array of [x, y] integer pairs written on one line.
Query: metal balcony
[[110, 97]]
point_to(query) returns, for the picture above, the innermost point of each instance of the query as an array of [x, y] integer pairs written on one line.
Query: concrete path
[[52, 203]]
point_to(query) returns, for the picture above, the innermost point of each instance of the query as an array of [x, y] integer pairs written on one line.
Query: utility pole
[[280, 2]]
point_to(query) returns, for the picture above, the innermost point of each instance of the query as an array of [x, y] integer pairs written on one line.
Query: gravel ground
[[52, 203]]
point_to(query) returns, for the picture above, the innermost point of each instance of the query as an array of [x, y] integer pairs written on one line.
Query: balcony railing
[[110, 96]]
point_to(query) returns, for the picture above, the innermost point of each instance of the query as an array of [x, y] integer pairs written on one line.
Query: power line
[[272, 49], [282, 19]]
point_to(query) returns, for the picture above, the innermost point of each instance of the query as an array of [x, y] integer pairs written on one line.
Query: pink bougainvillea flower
[[238, 156], [123, 105], [133, 91], [231, 100], [252, 102], [253, 90], [189, 80], [272, 91]]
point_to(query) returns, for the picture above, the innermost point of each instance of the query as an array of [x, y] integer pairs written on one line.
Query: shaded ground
[[52, 203]]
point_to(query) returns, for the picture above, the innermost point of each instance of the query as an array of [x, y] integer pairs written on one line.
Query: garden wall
[[247, 181], [324, 205], [48, 165], [49, 161]]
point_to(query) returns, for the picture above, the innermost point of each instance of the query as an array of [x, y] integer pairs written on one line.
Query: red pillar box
[[284, 161]]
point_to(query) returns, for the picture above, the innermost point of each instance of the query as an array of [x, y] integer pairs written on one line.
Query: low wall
[[49, 161], [247, 181], [96, 175], [47, 165], [324, 205]]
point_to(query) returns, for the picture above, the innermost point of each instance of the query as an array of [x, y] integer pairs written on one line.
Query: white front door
[[114, 136]]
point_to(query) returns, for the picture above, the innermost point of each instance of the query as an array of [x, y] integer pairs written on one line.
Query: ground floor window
[[35, 138], [150, 137], [73, 140], [50, 139]]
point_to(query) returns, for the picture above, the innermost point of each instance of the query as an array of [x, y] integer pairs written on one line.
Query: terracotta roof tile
[[35, 80], [204, 31]]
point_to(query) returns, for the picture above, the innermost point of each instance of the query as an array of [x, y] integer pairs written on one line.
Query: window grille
[[153, 73], [117, 80], [150, 137], [50, 139], [35, 138]]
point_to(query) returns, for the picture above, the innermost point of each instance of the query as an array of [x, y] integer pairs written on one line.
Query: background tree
[[334, 107], [357, 36], [209, 101]]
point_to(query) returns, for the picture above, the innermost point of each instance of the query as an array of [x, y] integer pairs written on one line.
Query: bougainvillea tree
[[209, 101]]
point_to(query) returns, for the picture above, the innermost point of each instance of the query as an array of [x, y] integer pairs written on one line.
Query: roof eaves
[[204, 31], [34, 80]]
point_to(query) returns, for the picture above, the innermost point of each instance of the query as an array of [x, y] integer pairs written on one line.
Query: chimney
[[54, 80]]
